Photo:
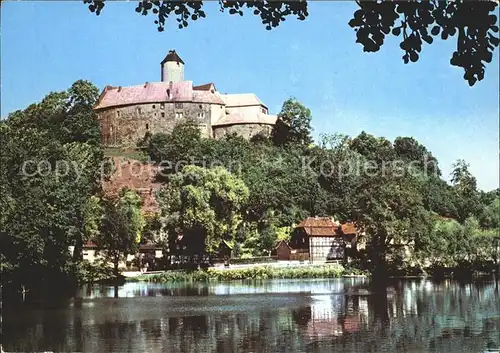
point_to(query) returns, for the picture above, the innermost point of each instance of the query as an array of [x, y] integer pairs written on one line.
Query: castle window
[[168, 93], [139, 110], [178, 105], [201, 115], [147, 126], [201, 106], [118, 113], [162, 115], [162, 106], [179, 115], [154, 106]]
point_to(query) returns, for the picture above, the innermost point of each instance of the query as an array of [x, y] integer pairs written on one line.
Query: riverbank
[[257, 272]]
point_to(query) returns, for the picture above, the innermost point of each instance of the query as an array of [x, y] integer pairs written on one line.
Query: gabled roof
[[172, 56], [326, 227], [205, 87], [320, 226], [241, 100], [246, 118], [279, 242]]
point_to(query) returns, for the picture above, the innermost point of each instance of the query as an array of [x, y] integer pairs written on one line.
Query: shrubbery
[[260, 272], [88, 272]]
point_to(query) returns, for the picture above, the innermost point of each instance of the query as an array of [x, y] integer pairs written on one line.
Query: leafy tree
[[121, 226], [50, 170], [293, 125], [179, 148], [388, 202], [472, 23], [466, 187], [203, 204]]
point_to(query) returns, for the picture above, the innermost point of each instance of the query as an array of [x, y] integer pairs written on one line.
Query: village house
[[324, 239]]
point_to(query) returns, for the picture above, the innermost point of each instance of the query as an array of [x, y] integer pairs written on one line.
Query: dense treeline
[[394, 191], [52, 168], [247, 193]]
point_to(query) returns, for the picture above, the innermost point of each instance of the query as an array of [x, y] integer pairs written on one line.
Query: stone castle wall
[[126, 125], [244, 130]]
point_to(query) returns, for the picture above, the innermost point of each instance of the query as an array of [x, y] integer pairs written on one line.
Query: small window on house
[[147, 126], [162, 106], [154, 106], [201, 106], [139, 110], [162, 115], [118, 113]]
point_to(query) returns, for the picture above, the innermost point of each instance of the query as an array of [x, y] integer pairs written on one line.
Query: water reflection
[[265, 316]]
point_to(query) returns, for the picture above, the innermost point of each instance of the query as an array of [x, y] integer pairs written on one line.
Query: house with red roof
[[323, 238]]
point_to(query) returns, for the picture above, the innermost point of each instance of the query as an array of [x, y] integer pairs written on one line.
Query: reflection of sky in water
[[139, 289], [264, 316]]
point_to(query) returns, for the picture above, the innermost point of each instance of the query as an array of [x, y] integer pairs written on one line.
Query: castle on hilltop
[[127, 114]]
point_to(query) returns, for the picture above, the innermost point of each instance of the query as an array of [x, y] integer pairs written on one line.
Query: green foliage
[[259, 272], [121, 226], [88, 272], [203, 204], [180, 147], [293, 125], [475, 24], [51, 165]]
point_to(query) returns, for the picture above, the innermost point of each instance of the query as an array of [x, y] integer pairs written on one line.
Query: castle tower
[[172, 68]]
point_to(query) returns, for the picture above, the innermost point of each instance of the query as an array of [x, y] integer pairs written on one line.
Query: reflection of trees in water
[[418, 315]]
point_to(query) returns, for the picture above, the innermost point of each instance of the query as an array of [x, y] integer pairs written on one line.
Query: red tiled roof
[[319, 226], [349, 228], [326, 227], [155, 92], [90, 245]]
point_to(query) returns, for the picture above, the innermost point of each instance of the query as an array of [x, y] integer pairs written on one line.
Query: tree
[[293, 125], [474, 23], [121, 226], [465, 186], [180, 147], [388, 203], [203, 205], [50, 170]]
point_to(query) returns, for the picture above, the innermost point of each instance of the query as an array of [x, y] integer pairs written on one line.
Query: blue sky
[[45, 46]]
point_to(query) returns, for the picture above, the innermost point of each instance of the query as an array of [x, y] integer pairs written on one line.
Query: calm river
[[338, 315]]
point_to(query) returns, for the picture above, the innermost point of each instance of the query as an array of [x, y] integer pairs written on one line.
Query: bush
[[258, 272], [253, 260]]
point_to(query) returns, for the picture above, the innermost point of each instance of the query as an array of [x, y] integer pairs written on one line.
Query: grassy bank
[[260, 272]]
